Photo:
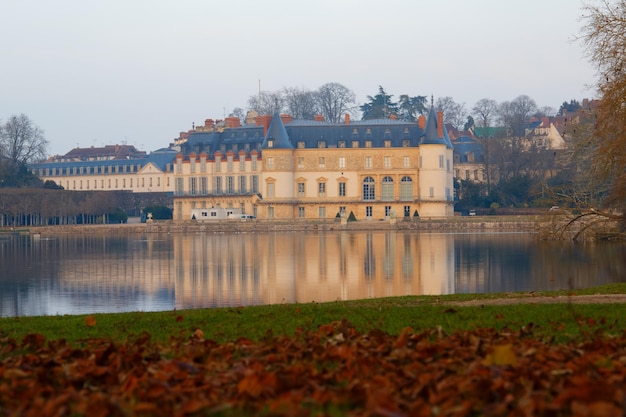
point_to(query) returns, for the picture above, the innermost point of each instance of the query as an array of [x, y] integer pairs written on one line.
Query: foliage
[[325, 365], [515, 114], [380, 106], [117, 216], [603, 36], [159, 212], [410, 107]]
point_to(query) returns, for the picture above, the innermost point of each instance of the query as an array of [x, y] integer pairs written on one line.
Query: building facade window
[[321, 162], [178, 186], [229, 163], [218, 163], [369, 189], [406, 188], [270, 190], [368, 162], [300, 189], [300, 162], [387, 162], [406, 162], [230, 184], [301, 212], [242, 184], [368, 211], [255, 183], [193, 185], [270, 163], [387, 189], [440, 161], [204, 186], [217, 186], [342, 189], [321, 189], [387, 211], [322, 212], [342, 162]]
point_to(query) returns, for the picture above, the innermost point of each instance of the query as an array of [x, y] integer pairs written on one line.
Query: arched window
[[406, 188], [387, 189], [369, 188]]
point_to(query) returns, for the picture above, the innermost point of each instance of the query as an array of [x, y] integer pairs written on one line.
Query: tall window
[[204, 185], [342, 162], [270, 212], [321, 189], [300, 189], [301, 212], [342, 189], [242, 184], [193, 185], [322, 162], [255, 183], [387, 189], [270, 190], [387, 161], [368, 211], [440, 161], [230, 184], [300, 162], [192, 165], [218, 185], [369, 189], [406, 189], [368, 162], [406, 162], [322, 212], [178, 186], [218, 163], [242, 163], [229, 163], [270, 162]]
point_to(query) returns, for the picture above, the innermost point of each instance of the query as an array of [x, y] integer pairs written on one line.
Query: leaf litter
[[332, 370]]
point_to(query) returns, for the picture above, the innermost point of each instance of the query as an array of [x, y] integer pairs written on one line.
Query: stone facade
[[373, 170]]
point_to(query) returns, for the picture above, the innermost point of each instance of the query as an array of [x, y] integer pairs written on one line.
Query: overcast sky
[[92, 72]]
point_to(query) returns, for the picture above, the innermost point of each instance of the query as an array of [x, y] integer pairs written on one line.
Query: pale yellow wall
[[283, 169]]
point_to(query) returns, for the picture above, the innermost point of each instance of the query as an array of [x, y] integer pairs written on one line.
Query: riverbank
[[531, 224]]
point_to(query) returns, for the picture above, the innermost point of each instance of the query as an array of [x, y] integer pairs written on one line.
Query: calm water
[[89, 274]]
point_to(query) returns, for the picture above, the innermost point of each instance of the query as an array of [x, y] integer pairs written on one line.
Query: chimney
[[319, 118], [347, 119], [392, 117], [421, 122], [286, 118], [208, 123], [440, 124], [266, 124], [231, 122]]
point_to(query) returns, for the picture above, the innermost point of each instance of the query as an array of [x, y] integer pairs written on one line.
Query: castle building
[[110, 168], [280, 168]]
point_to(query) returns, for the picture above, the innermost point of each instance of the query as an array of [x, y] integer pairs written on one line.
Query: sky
[[139, 72]]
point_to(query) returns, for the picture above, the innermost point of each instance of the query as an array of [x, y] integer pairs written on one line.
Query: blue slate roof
[[466, 146], [159, 158], [431, 133], [276, 132]]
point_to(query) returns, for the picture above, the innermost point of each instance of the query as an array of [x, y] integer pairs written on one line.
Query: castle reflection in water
[[219, 270], [87, 274]]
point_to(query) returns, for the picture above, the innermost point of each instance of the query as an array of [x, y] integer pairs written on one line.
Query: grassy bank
[[558, 322]]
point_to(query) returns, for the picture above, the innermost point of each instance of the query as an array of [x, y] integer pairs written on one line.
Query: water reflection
[[86, 274]]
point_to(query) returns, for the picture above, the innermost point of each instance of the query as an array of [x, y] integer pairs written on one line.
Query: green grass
[[558, 322]]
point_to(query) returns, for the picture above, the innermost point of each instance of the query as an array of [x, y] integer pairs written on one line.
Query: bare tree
[[267, 102], [21, 141], [515, 114], [334, 100], [301, 103], [485, 112], [453, 113]]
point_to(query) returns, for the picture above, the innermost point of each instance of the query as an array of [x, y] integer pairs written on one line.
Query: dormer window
[[300, 144], [321, 143], [341, 144], [270, 143]]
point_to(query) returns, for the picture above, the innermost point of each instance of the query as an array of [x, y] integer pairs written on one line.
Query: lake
[[95, 274]]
